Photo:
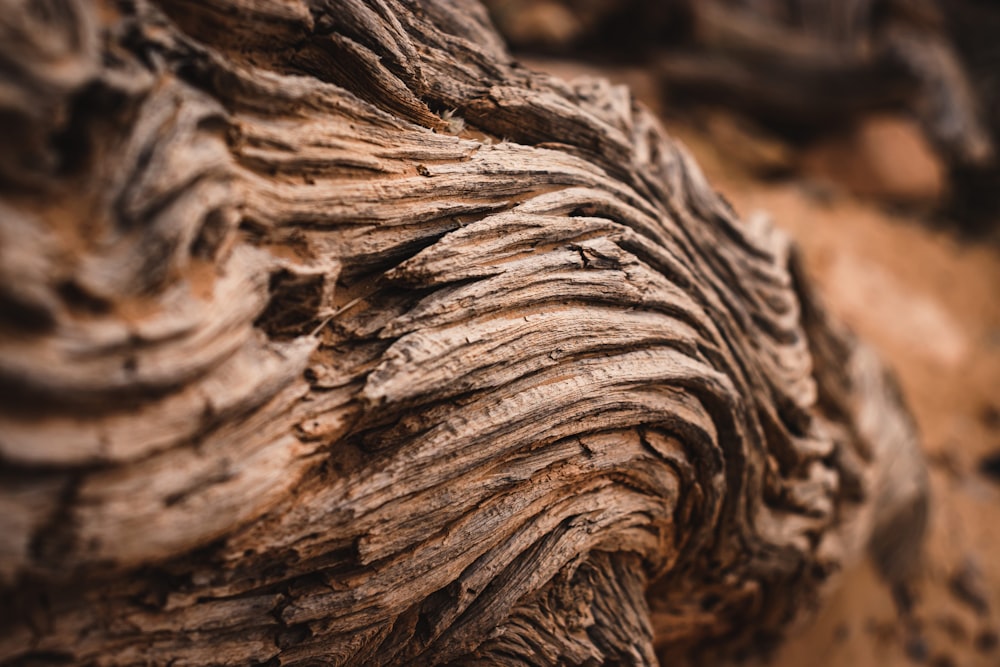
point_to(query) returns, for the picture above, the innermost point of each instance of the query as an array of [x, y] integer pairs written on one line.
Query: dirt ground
[[929, 301]]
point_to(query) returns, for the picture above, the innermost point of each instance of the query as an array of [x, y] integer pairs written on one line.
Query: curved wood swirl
[[330, 334]]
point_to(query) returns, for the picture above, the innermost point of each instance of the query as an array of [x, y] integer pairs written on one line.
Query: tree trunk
[[330, 335]]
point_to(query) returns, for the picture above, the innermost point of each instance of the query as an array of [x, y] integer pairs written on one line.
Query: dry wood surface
[[330, 335]]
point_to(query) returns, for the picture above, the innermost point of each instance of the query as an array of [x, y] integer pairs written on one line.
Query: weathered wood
[[332, 335], [972, 26], [806, 68], [816, 63]]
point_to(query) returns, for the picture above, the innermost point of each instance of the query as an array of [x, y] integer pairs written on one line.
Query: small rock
[[989, 415], [886, 157], [987, 641], [989, 466]]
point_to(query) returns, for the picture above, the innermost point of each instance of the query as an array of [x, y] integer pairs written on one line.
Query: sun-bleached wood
[[330, 335]]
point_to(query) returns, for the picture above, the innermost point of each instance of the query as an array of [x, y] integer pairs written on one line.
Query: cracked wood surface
[[331, 335]]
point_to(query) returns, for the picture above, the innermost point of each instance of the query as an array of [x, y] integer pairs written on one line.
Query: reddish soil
[[930, 302]]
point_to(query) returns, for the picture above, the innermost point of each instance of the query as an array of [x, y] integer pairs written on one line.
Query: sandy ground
[[930, 302]]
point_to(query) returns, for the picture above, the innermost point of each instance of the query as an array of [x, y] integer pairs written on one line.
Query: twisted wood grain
[[331, 335]]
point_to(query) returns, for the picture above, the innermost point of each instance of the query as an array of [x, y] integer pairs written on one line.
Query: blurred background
[[869, 131]]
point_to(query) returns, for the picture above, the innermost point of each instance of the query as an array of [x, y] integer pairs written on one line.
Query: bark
[[330, 335]]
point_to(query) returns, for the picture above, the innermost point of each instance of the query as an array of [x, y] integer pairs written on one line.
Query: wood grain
[[331, 335]]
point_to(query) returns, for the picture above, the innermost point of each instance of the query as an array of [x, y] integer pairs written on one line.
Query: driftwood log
[[796, 64], [806, 67], [332, 336]]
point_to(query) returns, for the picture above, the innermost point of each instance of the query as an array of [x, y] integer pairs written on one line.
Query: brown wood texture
[[330, 335]]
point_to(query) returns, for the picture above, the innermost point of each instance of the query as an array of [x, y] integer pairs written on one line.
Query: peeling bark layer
[[329, 334]]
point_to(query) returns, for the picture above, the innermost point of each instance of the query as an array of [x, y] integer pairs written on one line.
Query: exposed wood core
[[330, 335]]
